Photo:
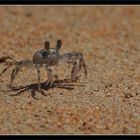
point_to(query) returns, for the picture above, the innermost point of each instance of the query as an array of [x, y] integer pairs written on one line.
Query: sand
[[106, 102]]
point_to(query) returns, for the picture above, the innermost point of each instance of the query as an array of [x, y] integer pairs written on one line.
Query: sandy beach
[[106, 102]]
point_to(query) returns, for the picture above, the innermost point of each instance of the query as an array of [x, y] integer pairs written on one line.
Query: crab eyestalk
[[47, 45], [58, 45]]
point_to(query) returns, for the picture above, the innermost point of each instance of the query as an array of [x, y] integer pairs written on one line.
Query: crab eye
[[47, 45]]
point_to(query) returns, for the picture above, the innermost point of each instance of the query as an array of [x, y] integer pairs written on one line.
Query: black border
[[70, 137], [71, 2], [67, 2]]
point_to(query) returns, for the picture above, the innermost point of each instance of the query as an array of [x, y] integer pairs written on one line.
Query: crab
[[48, 57]]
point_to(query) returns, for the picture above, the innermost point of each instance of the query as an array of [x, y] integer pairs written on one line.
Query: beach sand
[[106, 102]]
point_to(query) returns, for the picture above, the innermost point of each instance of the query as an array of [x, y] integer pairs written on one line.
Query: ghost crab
[[48, 57]]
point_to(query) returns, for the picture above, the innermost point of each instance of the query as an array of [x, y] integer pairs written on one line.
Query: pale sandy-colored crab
[[48, 57]]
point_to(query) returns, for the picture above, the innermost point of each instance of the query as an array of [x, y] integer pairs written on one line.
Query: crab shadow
[[61, 84]]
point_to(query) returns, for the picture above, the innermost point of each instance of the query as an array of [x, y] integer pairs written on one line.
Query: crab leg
[[18, 66], [82, 64], [50, 77], [38, 76], [4, 58], [74, 71], [5, 69], [14, 73]]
